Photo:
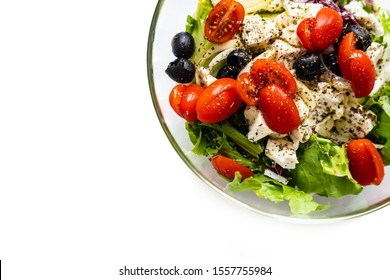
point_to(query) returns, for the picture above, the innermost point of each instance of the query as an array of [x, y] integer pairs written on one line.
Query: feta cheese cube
[[203, 77], [289, 34], [257, 33], [258, 128], [282, 152], [356, 122]]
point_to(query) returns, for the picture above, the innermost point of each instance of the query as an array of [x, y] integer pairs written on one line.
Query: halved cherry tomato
[[266, 71], [365, 162], [228, 167], [183, 99], [304, 31], [356, 66], [218, 101], [247, 90], [279, 110], [223, 21], [317, 34]]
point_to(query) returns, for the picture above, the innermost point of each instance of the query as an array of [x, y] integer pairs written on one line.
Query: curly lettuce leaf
[[323, 169], [268, 188]]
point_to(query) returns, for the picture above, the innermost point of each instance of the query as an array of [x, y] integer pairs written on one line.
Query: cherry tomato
[[356, 66], [247, 90], [317, 34], [183, 99], [218, 101], [279, 109], [304, 31], [266, 71], [228, 167], [223, 21], [346, 47], [327, 29], [365, 162]]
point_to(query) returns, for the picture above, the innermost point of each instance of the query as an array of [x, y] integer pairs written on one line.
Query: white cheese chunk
[[203, 77], [289, 34], [356, 122], [285, 53], [301, 106], [257, 32], [269, 173], [367, 20], [303, 132], [375, 51], [307, 95], [258, 128], [283, 152], [324, 128], [328, 102]]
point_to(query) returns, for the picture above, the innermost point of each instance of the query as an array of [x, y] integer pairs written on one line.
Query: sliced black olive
[[226, 72], [237, 59], [183, 45], [181, 70], [308, 67], [363, 37], [331, 61]]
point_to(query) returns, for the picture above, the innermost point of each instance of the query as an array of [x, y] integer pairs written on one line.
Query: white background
[[89, 182]]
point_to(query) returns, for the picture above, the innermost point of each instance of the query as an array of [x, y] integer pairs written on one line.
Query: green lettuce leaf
[[323, 169], [222, 138], [195, 26], [268, 188], [379, 103]]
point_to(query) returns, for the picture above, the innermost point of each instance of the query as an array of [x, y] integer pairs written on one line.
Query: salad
[[287, 98]]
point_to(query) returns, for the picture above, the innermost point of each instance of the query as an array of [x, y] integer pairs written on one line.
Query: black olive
[[181, 70], [308, 67], [183, 45], [237, 59], [226, 72], [331, 61], [363, 37]]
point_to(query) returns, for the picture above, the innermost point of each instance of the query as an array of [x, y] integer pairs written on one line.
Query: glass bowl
[[170, 18]]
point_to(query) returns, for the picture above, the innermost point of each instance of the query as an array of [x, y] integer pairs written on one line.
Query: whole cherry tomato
[[317, 34], [218, 101], [356, 66], [365, 162], [223, 21], [228, 167], [279, 109], [183, 99], [267, 71]]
